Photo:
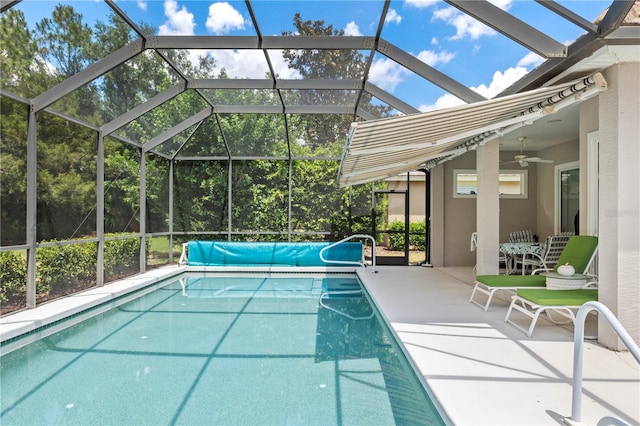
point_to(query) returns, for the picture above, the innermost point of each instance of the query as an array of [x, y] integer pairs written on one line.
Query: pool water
[[240, 350]]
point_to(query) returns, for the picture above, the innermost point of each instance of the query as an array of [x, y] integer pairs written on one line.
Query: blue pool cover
[[223, 253]]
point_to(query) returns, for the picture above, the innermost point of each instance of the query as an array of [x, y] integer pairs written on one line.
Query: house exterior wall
[[460, 219], [619, 201]]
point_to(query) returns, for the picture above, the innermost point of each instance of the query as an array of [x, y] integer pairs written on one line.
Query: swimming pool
[[221, 349]]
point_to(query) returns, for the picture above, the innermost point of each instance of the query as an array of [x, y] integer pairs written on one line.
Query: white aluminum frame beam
[[618, 10], [7, 4], [318, 42], [389, 99], [512, 27], [569, 15], [168, 134], [254, 42], [87, 75], [429, 73], [246, 83], [202, 42], [365, 115], [141, 109]]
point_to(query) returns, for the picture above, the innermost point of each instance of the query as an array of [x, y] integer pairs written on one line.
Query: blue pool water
[[240, 350]]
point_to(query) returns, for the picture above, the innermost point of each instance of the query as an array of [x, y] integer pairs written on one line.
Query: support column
[[488, 208], [437, 216], [143, 211], [619, 202], [32, 207], [171, 163], [100, 211]]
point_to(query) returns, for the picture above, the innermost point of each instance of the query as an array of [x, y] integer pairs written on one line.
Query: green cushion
[[512, 281], [559, 297], [578, 252]]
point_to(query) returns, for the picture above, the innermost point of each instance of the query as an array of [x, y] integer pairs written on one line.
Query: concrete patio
[[485, 372]]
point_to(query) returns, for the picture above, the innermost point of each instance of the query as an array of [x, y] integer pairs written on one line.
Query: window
[[512, 183]]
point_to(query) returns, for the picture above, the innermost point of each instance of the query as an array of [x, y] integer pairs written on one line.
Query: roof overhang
[[382, 148]]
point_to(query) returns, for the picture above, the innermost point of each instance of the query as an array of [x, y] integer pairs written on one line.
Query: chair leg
[[488, 292], [569, 316], [522, 307]]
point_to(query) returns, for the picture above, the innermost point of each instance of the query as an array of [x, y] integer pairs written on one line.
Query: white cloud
[[280, 67], [432, 58], [420, 4], [386, 73], [445, 101], [502, 4], [499, 83], [224, 18], [180, 21], [465, 25], [142, 4], [241, 63], [352, 29], [392, 16], [252, 63], [532, 59]]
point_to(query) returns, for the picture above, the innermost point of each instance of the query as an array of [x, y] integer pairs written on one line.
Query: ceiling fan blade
[[537, 160]]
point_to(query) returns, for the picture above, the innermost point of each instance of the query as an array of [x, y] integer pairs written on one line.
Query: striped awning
[[382, 148]]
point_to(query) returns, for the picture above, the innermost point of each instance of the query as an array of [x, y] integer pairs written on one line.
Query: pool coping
[[26, 321]]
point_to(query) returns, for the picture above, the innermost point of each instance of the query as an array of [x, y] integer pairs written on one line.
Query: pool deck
[[484, 371], [481, 370]]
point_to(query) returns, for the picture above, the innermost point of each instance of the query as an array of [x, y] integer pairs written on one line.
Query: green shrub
[[66, 267], [122, 256], [396, 241], [416, 237], [13, 275]]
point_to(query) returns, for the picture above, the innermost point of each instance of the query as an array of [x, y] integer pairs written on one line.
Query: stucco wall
[[460, 219], [619, 198]]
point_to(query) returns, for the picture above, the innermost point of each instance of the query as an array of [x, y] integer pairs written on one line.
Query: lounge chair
[[533, 302], [579, 252]]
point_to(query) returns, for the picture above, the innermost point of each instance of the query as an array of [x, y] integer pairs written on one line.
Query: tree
[[22, 71], [326, 134], [65, 44], [65, 41], [323, 130]]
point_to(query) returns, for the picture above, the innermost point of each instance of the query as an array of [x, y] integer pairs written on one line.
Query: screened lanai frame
[[283, 100]]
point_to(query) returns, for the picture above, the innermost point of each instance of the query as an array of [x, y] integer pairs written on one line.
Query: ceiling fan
[[523, 159]]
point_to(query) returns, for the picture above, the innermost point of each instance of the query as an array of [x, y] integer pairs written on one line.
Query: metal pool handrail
[[183, 255], [578, 344], [350, 262]]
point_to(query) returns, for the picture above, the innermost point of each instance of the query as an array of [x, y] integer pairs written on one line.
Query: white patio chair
[[553, 248]]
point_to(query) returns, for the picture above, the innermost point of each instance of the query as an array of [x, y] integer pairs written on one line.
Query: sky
[[433, 31]]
